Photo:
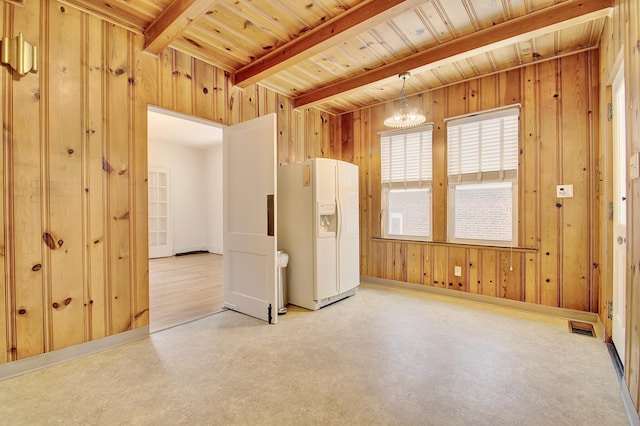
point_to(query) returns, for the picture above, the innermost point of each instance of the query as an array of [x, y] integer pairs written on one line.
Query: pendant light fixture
[[405, 116]]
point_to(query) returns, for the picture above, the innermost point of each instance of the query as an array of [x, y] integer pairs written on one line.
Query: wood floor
[[184, 288]]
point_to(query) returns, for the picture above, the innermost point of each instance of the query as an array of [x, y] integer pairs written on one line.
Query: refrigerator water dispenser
[[327, 219]]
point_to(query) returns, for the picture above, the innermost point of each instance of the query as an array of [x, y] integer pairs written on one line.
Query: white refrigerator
[[318, 226]]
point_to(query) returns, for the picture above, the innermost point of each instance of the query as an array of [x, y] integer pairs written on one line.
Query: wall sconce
[[22, 56]]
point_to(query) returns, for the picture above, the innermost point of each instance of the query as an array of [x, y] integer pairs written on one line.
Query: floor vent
[[583, 328]]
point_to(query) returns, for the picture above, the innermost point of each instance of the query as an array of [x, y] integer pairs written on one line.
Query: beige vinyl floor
[[382, 357]]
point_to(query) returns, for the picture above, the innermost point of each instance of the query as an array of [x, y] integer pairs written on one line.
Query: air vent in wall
[[583, 328]]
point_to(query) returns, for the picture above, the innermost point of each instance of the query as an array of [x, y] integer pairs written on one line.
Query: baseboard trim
[[600, 330], [23, 366], [564, 313], [632, 414]]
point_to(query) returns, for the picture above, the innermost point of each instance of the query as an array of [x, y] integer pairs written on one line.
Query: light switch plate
[[457, 271], [564, 191]]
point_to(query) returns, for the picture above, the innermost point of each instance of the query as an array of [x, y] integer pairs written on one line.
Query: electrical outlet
[[457, 271], [564, 191]]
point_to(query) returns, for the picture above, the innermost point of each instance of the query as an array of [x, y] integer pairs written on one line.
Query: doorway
[[185, 217], [619, 214]]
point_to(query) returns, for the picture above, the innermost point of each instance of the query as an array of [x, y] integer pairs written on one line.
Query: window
[[406, 183], [483, 178]]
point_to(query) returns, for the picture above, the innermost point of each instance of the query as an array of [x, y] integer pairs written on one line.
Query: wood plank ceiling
[[342, 55]]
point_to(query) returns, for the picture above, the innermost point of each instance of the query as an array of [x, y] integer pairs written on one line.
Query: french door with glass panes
[[160, 235]]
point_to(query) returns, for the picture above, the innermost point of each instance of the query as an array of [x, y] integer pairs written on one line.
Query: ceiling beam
[[365, 15], [553, 18], [172, 21]]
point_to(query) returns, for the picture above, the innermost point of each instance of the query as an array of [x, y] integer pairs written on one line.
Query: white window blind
[[406, 174], [406, 158], [484, 145], [483, 176]]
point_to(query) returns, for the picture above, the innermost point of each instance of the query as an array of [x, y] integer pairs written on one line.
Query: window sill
[[446, 244]]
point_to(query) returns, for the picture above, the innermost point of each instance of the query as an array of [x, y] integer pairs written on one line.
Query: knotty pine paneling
[[27, 317], [553, 263], [619, 47], [74, 258], [64, 162]]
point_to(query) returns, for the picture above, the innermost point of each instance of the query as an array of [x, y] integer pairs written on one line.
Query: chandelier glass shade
[[405, 116]]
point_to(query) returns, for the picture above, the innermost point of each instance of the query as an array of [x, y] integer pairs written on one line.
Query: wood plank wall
[[74, 251], [621, 44], [556, 261]]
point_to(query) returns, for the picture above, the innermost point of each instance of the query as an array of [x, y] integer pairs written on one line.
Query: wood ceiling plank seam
[[326, 10], [232, 51], [355, 50], [271, 20], [459, 18], [428, 25], [527, 6], [266, 22], [458, 67], [419, 83], [526, 51], [187, 48], [473, 66], [359, 98], [396, 29], [438, 77], [473, 16], [393, 43], [298, 68], [228, 60], [287, 10], [412, 29], [600, 30], [293, 77], [362, 65], [508, 11], [326, 63], [208, 22], [517, 8], [591, 31], [289, 81], [556, 43], [534, 49], [449, 73], [346, 5], [158, 6], [479, 64], [382, 45], [144, 12], [443, 15], [492, 61], [518, 53]]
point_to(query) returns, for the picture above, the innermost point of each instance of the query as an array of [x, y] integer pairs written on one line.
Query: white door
[[160, 235], [249, 218], [619, 215], [348, 226]]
